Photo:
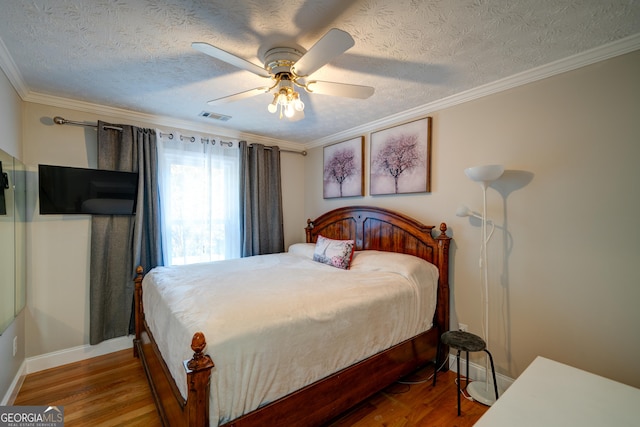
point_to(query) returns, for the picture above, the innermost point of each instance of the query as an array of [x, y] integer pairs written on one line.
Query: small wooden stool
[[466, 341]]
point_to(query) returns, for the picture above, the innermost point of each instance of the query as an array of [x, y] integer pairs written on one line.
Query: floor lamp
[[483, 175]]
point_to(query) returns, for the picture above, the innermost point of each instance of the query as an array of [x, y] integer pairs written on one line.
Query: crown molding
[[160, 121], [11, 71], [601, 53]]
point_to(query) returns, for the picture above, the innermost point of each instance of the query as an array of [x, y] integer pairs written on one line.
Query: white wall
[[10, 142], [563, 265], [58, 258]]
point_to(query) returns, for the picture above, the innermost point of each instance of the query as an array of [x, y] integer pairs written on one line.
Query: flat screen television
[[69, 190]]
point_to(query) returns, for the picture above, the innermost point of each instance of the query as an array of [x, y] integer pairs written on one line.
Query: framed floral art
[[343, 169], [401, 159]]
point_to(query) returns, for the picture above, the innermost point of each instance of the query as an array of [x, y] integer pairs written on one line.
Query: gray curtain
[[120, 243], [261, 223]]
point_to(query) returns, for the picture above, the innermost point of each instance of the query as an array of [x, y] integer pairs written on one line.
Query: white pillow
[[303, 249], [408, 266]]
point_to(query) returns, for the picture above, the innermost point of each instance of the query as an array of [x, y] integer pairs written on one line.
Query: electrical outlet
[[15, 345], [463, 327]]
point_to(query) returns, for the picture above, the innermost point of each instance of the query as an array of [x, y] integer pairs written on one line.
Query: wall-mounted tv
[[69, 190]]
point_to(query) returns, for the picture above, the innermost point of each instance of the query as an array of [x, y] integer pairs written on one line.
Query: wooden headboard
[[381, 229]]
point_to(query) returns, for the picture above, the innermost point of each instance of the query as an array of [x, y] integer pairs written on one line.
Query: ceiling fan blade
[[225, 56], [340, 89], [332, 44], [239, 96]]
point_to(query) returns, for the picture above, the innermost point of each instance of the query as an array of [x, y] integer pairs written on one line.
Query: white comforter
[[275, 323]]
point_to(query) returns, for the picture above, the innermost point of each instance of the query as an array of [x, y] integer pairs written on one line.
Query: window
[[199, 199]]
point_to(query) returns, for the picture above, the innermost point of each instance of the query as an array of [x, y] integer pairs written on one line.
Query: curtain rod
[[62, 121], [282, 150]]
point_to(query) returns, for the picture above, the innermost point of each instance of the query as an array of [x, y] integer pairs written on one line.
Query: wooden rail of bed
[[371, 228]]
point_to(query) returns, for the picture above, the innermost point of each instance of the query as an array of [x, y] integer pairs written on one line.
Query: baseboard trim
[[62, 357], [12, 393], [75, 354], [478, 372]]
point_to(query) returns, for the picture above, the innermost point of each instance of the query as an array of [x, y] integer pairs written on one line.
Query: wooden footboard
[[173, 409], [318, 403]]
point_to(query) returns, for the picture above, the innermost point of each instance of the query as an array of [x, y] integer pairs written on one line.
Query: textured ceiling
[[137, 54]]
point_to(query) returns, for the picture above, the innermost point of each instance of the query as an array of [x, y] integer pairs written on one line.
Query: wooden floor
[[112, 390]]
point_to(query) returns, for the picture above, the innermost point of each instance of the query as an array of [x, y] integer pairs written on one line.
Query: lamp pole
[[484, 175]]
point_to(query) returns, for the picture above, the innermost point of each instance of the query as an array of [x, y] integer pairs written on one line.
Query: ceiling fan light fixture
[[289, 110], [298, 105], [286, 98], [273, 107]]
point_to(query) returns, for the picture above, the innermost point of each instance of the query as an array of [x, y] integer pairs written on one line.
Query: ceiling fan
[[289, 68]]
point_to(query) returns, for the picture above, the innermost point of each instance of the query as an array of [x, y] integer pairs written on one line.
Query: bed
[[194, 396]]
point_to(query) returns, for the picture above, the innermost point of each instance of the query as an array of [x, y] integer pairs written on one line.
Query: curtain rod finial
[[59, 120]]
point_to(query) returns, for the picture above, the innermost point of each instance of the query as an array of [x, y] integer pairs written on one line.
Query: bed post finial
[[198, 370], [308, 229], [199, 359]]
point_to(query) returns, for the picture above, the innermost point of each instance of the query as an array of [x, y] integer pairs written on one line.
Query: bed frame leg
[[198, 370]]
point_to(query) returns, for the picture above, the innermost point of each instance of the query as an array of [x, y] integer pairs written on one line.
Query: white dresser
[[550, 394]]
